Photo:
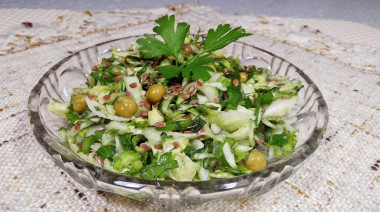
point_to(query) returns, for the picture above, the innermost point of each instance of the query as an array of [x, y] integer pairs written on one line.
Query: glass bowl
[[59, 81]]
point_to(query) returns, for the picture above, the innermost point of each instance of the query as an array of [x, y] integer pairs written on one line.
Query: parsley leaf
[[234, 96], [72, 117], [247, 102], [222, 36], [279, 139], [154, 46], [262, 98], [173, 39], [267, 98], [198, 66], [106, 151], [126, 141], [99, 134], [169, 71], [191, 151], [161, 168]]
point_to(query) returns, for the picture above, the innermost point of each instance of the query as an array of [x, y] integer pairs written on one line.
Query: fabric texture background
[[342, 58]]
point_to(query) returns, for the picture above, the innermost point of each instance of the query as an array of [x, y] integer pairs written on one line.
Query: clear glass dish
[[72, 71]]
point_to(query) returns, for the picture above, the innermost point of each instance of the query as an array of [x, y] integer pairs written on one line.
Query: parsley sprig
[[222, 36], [173, 40], [160, 168]]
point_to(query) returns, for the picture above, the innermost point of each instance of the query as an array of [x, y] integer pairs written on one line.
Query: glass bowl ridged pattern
[[59, 81]]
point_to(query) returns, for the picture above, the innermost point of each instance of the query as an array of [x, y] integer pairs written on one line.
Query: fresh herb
[[222, 36], [169, 71], [234, 97], [165, 136], [278, 139], [283, 143], [191, 151], [161, 168], [174, 40], [209, 163], [247, 102], [99, 134], [72, 117], [106, 152], [198, 66], [267, 98], [126, 141]]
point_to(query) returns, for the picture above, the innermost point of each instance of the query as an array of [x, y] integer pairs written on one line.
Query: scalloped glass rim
[[53, 145]]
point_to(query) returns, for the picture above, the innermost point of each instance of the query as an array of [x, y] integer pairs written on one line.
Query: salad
[[174, 107]]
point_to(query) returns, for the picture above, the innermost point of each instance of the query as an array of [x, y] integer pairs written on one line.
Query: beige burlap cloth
[[342, 58]]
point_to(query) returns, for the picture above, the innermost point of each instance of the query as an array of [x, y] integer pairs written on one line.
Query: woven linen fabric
[[342, 58]]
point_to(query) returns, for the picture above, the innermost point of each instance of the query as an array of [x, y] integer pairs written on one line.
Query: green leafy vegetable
[[106, 152], [283, 143], [247, 102], [72, 117], [198, 66], [191, 151], [165, 136], [234, 97], [267, 98], [222, 36], [126, 141], [279, 139], [161, 168], [99, 134], [169, 71], [173, 39]]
